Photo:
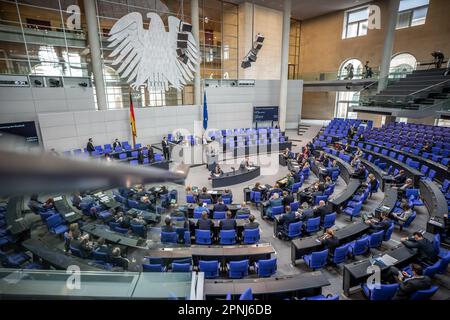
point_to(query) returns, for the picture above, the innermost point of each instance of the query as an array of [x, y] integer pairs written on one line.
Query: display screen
[[265, 114], [26, 130]]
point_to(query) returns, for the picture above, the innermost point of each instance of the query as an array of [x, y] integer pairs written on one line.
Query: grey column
[[284, 63], [96, 58], [196, 34], [388, 43]]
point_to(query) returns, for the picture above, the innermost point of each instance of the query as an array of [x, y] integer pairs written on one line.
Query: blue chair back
[[210, 268], [251, 236], [255, 196], [295, 229], [361, 246], [385, 292], [152, 268], [169, 237], [313, 225], [202, 236], [424, 294], [376, 239], [190, 198], [181, 267], [329, 220], [238, 269], [139, 229], [268, 267], [320, 198], [388, 233], [246, 295], [319, 259], [340, 254], [227, 237], [219, 215], [295, 205]]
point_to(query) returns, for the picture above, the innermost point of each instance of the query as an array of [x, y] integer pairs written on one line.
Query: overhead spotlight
[[246, 64], [252, 55], [186, 27], [259, 38], [83, 84]]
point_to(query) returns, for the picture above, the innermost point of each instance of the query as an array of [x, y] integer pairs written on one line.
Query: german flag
[[132, 121]]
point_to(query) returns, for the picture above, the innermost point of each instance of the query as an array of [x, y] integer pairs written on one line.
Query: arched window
[[351, 69], [402, 64]]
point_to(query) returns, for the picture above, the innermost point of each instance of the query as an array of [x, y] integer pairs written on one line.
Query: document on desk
[[388, 260], [69, 214], [385, 208], [57, 198]]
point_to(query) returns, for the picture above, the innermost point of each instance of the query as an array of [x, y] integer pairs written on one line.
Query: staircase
[[419, 91]]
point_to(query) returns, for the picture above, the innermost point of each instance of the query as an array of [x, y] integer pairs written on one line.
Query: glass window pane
[[358, 15], [410, 4], [363, 28], [352, 30], [419, 16], [403, 19]]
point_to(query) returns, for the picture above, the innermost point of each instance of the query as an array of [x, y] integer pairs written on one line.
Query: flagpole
[[132, 120]]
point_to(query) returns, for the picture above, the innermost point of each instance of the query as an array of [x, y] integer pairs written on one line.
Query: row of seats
[[107, 148]]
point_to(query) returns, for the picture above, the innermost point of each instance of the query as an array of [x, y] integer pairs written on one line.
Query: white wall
[[23, 104], [228, 107]]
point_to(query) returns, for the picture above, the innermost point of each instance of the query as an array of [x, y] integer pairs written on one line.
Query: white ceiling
[[306, 9]]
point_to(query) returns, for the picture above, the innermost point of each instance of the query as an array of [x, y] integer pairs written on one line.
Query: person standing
[[165, 147], [90, 146]]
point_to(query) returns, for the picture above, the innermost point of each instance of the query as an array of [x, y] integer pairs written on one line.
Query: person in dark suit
[[116, 144], [229, 223], [168, 225], [376, 226], [330, 242], [400, 178], [409, 283], [90, 146], [140, 156], [166, 149], [217, 171], [243, 209], [151, 153], [117, 259], [101, 246], [425, 248], [220, 206], [409, 184], [305, 212], [204, 223], [204, 195], [360, 172], [252, 224], [82, 243], [285, 220], [322, 210], [287, 198]]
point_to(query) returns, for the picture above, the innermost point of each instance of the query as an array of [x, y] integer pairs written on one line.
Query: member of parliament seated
[[377, 225], [403, 215], [274, 201], [220, 206], [409, 184], [288, 198], [330, 242], [400, 178], [217, 171], [425, 248], [252, 223], [245, 164], [305, 212], [167, 227], [243, 210], [204, 223], [229, 223], [118, 260], [322, 210], [409, 283], [308, 194], [285, 220], [204, 195], [360, 172]]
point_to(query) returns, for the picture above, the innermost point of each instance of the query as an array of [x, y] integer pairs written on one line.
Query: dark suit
[[204, 224], [378, 226], [411, 285], [286, 220], [331, 244], [288, 200], [322, 211], [116, 144], [220, 207], [90, 147], [251, 225], [166, 150], [400, 178], [204, 196], [227, 224], [307, 214], [425, 249], [167, 228]]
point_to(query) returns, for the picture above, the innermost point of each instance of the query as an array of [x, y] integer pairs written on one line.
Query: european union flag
[[205, 112]]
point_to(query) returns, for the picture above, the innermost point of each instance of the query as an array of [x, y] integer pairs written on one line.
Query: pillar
[[196, 34], [388, 44], [284, 64], [96, 58]]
